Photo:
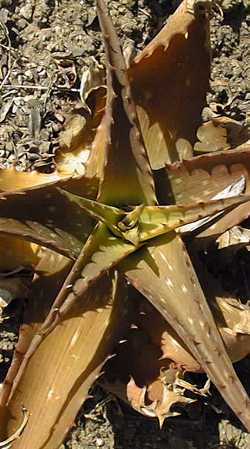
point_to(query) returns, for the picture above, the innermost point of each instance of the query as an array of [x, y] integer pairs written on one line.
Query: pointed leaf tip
[[170, 80], [127, 177]]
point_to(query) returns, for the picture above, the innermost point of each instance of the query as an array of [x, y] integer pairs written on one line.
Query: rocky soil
[[45, 45]]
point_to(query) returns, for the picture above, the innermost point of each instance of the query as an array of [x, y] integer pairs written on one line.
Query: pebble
[[11, 158], [99, 442], [4, 13], [44, 147], [27, 11], [21, 24], [8, 147], [29, 75], [78, 51], [34, 157], [56, 127], [5, 3], [59, 117]]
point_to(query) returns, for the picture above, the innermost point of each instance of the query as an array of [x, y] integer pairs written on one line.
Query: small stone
[[34, 157], [8, 147], [29, 75], [56, 127], [20, 166], [21, 24], [4, 15], [99, 442], [59, 117], [78, 51], [45, 134], [27, 11], [5, 3], [7, 153], [11, 158], [44, 147]]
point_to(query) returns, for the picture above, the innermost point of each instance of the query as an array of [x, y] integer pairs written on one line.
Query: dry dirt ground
[[45, 45]]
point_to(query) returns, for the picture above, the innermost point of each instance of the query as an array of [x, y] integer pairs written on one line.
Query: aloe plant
[[124, 231]]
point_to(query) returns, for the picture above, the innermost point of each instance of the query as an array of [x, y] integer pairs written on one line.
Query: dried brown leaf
[[219, 134], [203, 177], [234, 239], [92, 78], [230, 220], [163, 336], [7, 444], [169, 103], [149, 382], [157, 400]]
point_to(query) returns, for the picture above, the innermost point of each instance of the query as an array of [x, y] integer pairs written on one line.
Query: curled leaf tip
[[7, 444]]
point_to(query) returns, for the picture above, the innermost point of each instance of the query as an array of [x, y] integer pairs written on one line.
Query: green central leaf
[[99, 211], [127, 177], [158, 220]]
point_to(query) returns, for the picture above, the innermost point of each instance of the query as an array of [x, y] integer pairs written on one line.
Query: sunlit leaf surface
[[109, 218]]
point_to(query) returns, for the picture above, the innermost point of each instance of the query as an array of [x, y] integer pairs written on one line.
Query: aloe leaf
[[17, 252], [170, 79], [229, 192], [214, 172], [164, 274], [157, 220], [101, 252], [231, 219], [203, 177], [63, 243], [126, 162], [100, 212], [52, 269], [72, 357], [46, 217], [11, 179], [7, 444], [127, 180]]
